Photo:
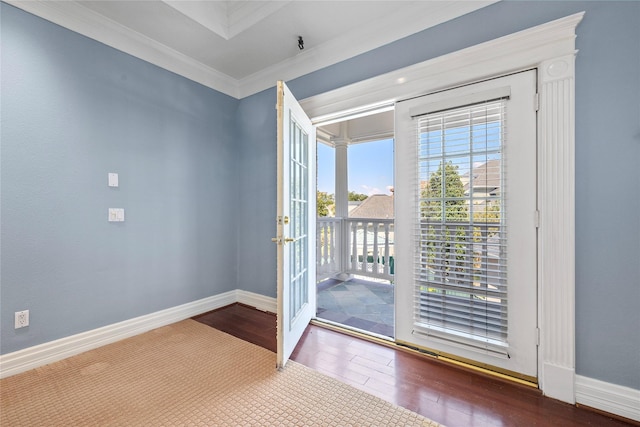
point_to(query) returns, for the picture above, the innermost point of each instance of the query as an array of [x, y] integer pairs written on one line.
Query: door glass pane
[[461, 269], [298, 226]]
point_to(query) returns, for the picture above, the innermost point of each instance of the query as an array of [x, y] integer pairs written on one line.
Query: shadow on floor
[[357, 303]]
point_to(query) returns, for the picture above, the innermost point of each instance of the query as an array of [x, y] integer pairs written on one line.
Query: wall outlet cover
[[22, 319]]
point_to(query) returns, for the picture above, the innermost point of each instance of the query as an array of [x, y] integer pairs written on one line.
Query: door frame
[[549, 48]]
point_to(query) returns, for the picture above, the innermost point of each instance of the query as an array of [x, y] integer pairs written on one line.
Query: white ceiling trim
[[406, 21], [211, 15], [510, 53], [75, 17], [226, 19], [243, 15]]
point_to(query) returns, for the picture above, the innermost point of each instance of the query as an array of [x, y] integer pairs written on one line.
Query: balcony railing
[[359, 246]]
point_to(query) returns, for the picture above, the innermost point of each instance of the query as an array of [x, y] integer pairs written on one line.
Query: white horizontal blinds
[[460, 234]]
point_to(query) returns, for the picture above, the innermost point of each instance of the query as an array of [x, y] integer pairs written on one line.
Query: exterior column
[[342, 195], [342, 176]]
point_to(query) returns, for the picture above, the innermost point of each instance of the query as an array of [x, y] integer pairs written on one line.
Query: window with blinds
[[460, 268]]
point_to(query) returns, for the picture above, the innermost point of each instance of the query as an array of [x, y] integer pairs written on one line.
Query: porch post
[[342, 177], [342, 194]]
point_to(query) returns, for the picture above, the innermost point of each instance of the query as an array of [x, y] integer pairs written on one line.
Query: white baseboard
[[258, 301], [611, 398], [558, 382], [42, 354]]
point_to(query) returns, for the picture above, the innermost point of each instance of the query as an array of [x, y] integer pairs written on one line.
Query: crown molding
[[226, 19], [407, 20], [404, 22], [243, 15], [213, 15], [86, 22]]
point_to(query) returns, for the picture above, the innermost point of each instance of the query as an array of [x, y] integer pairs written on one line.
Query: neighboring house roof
[[486, 177], [354, 204], [378, 206]]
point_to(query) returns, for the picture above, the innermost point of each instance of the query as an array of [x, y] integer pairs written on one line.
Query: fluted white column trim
[[556, 236]]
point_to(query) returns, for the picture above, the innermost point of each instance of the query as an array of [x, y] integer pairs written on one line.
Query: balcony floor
[[357, 303]]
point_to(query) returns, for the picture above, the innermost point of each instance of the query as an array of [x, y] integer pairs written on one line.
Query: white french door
[[466, 231], [296, 212]]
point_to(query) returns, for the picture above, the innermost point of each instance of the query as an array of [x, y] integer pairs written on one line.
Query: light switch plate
[[116, 215], [113, 179]]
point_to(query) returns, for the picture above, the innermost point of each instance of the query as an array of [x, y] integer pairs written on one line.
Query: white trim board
[[407, 20], [514, 52], [615, 399], [82, 20], [550, 49], [611, 398], [258, 301], [404, 22], [53, 351]]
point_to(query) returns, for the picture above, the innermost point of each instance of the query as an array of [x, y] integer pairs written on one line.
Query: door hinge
[[536, 102], [537, 336], [537, 219]]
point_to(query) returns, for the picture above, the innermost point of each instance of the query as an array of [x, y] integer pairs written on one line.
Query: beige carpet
[[188, 374]]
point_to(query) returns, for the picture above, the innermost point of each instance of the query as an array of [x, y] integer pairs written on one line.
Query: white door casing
[[549, 48], [296, 212]]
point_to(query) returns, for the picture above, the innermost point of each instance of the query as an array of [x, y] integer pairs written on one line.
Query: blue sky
[[370, 167], [371, 163]]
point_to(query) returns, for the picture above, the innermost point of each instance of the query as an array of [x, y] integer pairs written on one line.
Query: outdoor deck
[[357, 303]]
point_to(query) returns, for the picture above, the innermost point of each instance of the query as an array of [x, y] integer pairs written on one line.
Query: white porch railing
[[328, 234], [360, 246]]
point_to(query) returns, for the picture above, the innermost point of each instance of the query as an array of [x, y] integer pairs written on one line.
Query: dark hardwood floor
[[451, 395]]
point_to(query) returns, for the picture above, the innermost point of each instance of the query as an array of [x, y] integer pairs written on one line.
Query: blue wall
[[72, 111], [198, 178], [257, 135], [607, 158]]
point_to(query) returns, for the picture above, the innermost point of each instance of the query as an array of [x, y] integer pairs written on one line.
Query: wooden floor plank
[[445, 393]]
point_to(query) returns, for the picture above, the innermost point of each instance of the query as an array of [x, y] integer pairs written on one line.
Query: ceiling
[[241, 47], [371, 127]]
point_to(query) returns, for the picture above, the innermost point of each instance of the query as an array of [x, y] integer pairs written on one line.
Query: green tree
[[443, 200], [356, 197], [447, 196], [324, 201]]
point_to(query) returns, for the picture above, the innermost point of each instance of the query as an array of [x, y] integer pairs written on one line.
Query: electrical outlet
[[22, 319]]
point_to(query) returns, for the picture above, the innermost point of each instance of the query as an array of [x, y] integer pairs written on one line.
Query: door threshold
[[350, 330], [391, 343]]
